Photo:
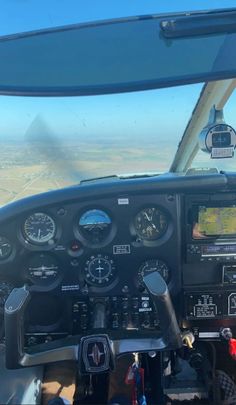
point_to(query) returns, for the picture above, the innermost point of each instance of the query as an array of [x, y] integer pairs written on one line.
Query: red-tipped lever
[[232, 348], [226, 334]]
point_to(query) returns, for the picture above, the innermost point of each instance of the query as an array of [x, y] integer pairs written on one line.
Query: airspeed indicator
[[39, 228]]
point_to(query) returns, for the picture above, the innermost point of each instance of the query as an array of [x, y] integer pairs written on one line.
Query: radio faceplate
[[197, 252]]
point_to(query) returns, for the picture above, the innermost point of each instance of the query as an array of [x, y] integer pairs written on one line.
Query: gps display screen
[[214, 222]]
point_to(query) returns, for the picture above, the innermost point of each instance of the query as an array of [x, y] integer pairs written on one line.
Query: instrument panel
[[80, 251], [75, 254], [44, 246]]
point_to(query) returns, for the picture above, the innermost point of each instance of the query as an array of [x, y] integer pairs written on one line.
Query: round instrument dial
[[150, 223], [43, 269], [39, 228], [5, 248], [151, 266], [95, 226], [99, 270]]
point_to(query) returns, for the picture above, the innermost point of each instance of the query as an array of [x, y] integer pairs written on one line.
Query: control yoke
[[78, 348], [159, 293], [14, 326]]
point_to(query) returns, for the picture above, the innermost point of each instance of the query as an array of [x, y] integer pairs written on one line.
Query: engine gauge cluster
[[39, 228]]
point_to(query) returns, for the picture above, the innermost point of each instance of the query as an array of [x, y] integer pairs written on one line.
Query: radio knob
[[125, 303], [146, 322], [115, 321], [125, 321], [83, 321], [84, 307], [135, 319], [135, 303], [114, 303], [32, 341]]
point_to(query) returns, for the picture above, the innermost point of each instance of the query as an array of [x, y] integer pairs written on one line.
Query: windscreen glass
[[48, 143]]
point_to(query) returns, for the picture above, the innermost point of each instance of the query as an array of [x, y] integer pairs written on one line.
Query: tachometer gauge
[[150, 223], [99, 270], [150, 266], [39, 228], [5, 248], [95, 226], [43, 269]]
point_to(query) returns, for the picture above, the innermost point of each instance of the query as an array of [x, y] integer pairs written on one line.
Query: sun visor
[[112, 56]]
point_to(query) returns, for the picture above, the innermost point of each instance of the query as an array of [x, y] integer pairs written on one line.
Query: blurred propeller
[[47, 147]]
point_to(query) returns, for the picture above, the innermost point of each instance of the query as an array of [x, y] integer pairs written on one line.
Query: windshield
[[49, 143]]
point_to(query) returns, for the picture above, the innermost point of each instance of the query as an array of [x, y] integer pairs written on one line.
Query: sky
[[137, 114], [23, 15]]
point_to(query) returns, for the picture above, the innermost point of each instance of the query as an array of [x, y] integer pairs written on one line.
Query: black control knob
[[32, 340], [146, 321], [114, 303], [115, 321], [135, 303], [83, 322], [125, 321], [125, 303], [196, 360], [135, 320], [156, 322], [84, 307]]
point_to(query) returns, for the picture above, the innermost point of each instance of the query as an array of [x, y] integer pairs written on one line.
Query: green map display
[[217, 221]]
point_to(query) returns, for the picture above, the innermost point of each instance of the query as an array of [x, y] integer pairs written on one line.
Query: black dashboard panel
[[69, 272], [89, 246]]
